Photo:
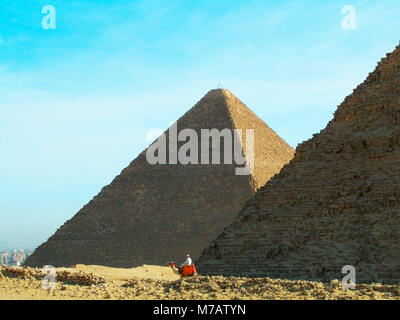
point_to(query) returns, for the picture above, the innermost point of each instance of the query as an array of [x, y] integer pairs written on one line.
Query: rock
[[335, 282]]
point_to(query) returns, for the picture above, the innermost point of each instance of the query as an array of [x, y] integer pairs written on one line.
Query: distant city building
[[14, 257], [18, 257], [4, 258]]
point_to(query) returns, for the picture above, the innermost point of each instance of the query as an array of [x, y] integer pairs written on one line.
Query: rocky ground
[[153, 282]]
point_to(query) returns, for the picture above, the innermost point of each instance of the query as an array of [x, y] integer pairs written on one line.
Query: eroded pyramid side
[[336, 204]]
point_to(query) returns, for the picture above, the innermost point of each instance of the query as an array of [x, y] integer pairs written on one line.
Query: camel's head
[[171, 264]]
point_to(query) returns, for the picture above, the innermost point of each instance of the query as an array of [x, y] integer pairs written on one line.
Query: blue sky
[[76, 102]]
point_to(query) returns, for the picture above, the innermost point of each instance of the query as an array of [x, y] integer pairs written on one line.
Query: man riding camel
[[188, 261], [186, 268]]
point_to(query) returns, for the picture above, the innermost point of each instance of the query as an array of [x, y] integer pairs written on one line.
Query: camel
[[185, 271]]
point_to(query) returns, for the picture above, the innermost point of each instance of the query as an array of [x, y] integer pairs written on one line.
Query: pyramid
[[155, 213], [336, 203]]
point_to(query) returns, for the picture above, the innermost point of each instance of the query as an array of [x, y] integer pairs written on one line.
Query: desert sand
[[159, 283]]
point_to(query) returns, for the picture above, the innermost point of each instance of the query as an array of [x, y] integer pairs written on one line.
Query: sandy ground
[[159, 283], [143, 272]]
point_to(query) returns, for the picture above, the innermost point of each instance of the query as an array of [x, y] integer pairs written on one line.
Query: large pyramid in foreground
[[337, 203], [151, 214]]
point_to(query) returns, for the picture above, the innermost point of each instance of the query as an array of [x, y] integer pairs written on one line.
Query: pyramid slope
[[337, 203], [271, 150], [152, 214]]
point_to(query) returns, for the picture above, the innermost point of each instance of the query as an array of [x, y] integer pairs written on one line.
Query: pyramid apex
[[218, 92]]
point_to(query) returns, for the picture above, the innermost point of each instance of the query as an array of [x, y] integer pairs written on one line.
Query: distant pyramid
[[337, 203], [151, 214]]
